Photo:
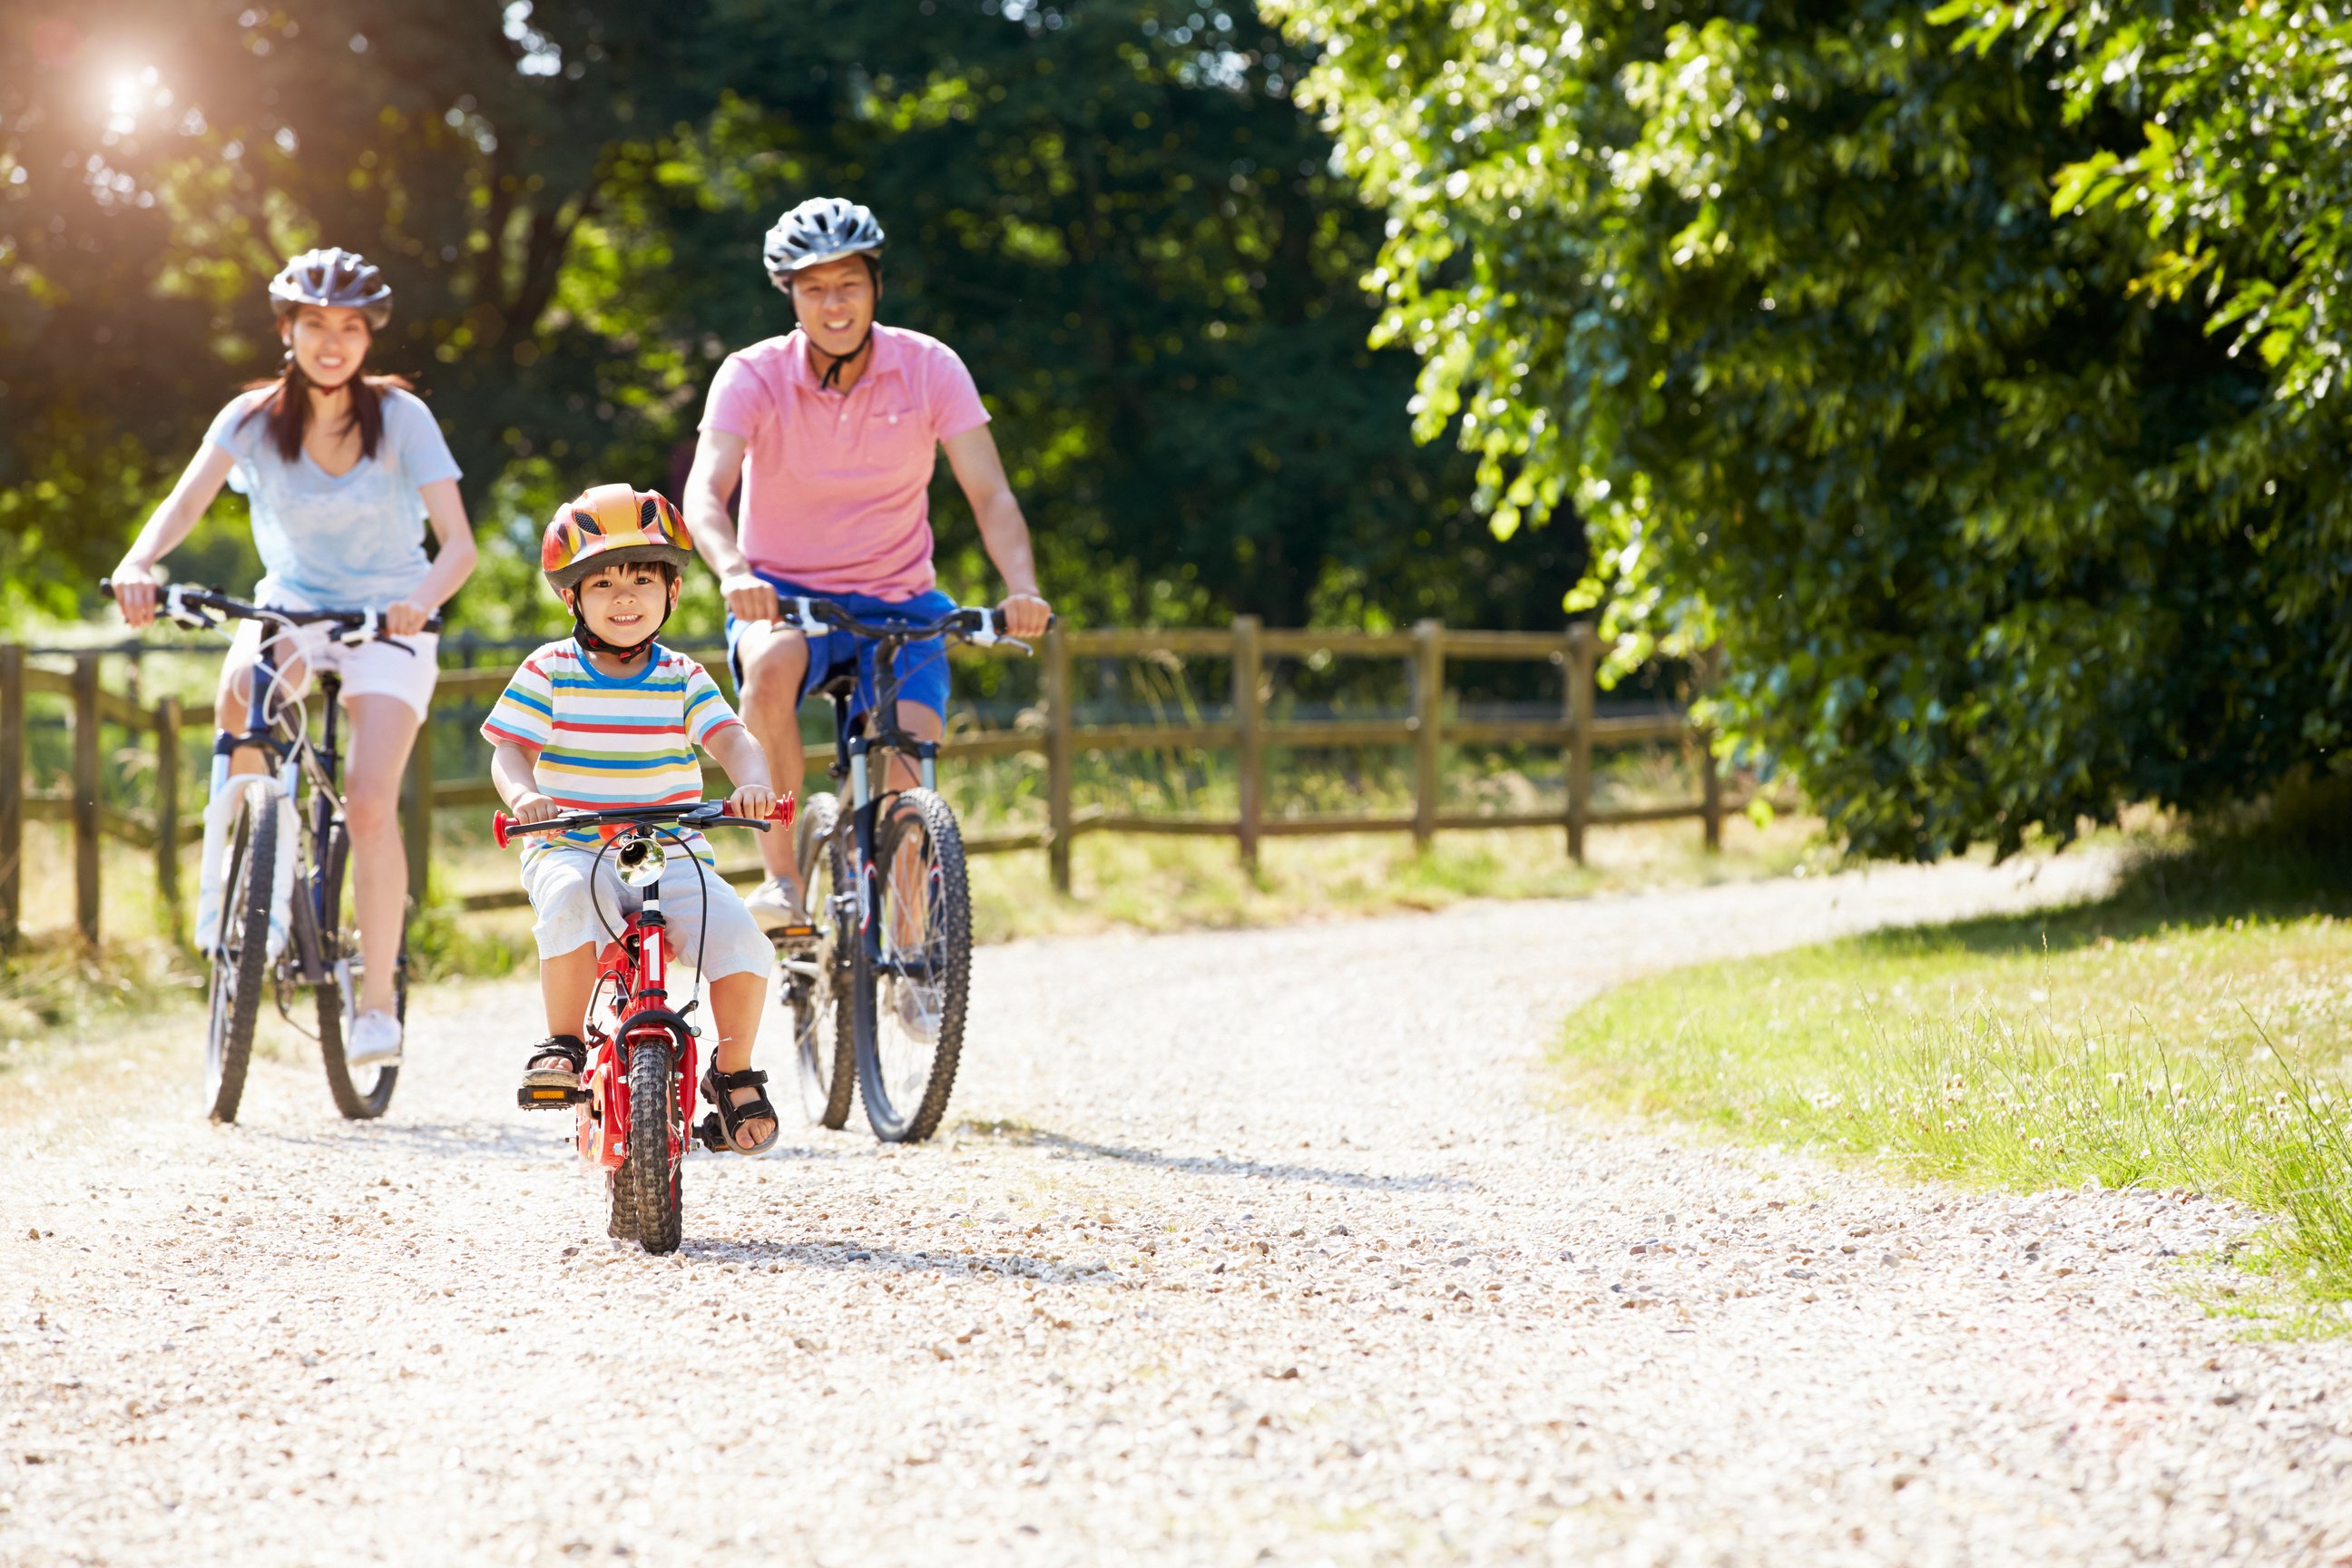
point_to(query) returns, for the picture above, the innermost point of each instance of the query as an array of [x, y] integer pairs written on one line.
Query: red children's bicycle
[[635, 1101]]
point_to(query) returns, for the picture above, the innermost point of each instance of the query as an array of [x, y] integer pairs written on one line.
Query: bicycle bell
[[640, 862]]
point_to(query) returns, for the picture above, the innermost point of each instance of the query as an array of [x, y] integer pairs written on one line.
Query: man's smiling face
[[835, 301]]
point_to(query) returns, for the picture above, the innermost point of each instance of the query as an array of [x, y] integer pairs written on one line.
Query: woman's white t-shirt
[[350, 542]]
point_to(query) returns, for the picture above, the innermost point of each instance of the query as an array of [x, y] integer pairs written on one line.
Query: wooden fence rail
[[1249, 734]]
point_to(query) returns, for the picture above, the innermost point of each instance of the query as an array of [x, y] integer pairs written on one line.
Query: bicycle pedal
[[548, 1097], [713, 1136], [794, 937]]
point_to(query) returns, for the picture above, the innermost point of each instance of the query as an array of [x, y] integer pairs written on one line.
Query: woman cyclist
[[834, 430], [342, 470]]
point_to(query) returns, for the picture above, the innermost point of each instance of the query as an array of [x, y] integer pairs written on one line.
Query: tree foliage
[[1776, 295], [1113, 209]]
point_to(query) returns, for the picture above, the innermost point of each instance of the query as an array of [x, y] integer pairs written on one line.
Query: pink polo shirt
[[837, 488]]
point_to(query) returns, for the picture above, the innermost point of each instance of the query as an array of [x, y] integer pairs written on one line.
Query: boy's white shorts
[[558, 883]]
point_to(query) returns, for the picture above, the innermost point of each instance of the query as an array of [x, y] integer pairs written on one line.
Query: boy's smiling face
[[625, 604]]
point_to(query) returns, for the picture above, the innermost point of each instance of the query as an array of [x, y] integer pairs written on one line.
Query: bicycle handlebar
[[188, 606], [702, 814], [980, 626]]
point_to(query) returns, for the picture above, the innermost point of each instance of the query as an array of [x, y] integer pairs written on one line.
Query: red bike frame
[[635, 993]]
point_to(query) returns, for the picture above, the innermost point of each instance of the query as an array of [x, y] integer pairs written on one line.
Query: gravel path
[[1248, 1248]]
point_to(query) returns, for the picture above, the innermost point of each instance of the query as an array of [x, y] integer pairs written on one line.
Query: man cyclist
[[834, 430]]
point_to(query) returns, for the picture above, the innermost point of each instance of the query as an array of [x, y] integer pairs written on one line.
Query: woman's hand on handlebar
[[750, 597], [757, 803], [405, 618], [134, 594], [533, 808], [1024, 616]]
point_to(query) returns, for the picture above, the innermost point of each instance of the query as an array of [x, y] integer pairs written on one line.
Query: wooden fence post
[[85, 795], [1059, 723], [1711, 792], [1428, 715], [1248, 717], [11, 794], [167, 807], [418, 830], [1578, 702]]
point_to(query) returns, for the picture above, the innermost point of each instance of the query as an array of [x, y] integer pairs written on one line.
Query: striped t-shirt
[[606, 741]]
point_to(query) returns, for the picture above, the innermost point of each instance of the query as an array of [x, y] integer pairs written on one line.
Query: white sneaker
[[374, 1042], [776, 905]]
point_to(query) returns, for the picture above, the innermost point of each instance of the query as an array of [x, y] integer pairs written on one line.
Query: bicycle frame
[[633, 984], [857, 739], [291, 754]]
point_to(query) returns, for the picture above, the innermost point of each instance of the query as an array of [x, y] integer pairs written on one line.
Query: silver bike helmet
[[822, 229], [332, 276]]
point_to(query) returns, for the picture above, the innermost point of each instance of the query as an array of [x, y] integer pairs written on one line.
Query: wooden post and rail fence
[[1247, 732]]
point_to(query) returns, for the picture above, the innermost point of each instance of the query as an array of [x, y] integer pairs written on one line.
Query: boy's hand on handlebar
[[757, 802], [533, 808], [1024, 616], [134, 594], [405, 618], [749, 597]]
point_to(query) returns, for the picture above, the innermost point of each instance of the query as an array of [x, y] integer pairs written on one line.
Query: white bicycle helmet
[[820, 229], [332, 276]]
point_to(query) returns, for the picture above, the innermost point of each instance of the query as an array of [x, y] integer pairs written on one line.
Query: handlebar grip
[[785, 808], [500, 824], [105, 587]]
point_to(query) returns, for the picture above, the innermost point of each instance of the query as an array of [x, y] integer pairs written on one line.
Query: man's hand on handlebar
[[750, 597], [134, 594], [756, 803], [1024, 616], [533, 808]]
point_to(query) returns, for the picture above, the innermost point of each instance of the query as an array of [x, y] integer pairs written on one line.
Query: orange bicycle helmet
[[609, 525], [606, 526]]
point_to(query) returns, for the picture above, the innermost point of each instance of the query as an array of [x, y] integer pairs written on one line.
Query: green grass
[[2192, 1030]]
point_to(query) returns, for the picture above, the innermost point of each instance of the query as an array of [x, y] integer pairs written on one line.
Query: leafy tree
[[1113, 209], [1774, 293]]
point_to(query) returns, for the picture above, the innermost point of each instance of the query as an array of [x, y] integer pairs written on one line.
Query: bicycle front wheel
[[912, 979], [816, 983], [367, 1095], [648, 1179], [241, 951]]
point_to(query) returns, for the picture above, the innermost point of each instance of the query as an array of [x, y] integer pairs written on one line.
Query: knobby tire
[[824, 1032], [648, 1176], [912, 1111], [241, 948]]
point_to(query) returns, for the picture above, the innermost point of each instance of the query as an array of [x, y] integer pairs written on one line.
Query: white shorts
[[372, 669], [557, 881]]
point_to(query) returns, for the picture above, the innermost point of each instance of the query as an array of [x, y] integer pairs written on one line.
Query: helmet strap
[[833, 370]]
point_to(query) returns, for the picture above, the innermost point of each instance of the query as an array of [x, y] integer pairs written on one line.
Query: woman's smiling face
[[625, 604], [329, 342]]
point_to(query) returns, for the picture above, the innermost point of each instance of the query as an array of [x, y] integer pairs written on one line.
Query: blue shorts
[[922, 666]]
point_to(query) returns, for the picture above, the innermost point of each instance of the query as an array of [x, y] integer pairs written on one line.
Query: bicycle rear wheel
[[909, 998], [338, 995], [648, 1180], [825, 1035], [241, 951]]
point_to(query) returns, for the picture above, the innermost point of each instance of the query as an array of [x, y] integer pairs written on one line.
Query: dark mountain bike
[[879, 996], [313, 952]]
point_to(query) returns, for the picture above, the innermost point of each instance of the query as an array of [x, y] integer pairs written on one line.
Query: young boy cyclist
[[608, 717]]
